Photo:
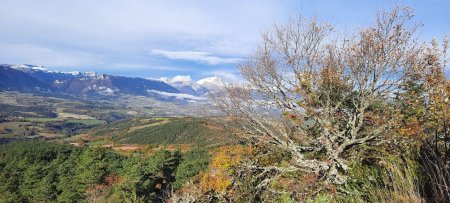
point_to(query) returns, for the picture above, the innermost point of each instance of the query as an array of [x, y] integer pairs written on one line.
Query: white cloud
[[211, 83], [180, 79], [123, 31], [77, 34], [137, 66], [201, 57], [228, 76], [19, 53], [178, 95]]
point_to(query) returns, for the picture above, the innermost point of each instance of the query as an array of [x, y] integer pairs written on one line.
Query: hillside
[[164, 131]]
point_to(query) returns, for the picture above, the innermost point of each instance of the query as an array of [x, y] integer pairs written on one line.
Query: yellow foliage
[[411, 129], [217, 178], [227, 156], [216, 183]]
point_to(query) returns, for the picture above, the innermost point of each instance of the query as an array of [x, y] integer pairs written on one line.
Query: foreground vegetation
[[47, 172], [353, 117]]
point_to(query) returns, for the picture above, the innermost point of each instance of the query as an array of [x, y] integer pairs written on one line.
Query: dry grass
[[436, 175], [127, 148], [62, 115], [383, 176], [51, 135]]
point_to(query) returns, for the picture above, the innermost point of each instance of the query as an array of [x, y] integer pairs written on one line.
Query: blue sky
[[165, 38]]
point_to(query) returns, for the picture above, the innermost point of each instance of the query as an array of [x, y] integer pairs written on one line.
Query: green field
[[87, 121], [41, 120], [81, 121], [13, 129]]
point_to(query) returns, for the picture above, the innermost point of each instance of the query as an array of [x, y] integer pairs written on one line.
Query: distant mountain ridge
[[32, 78], [37, 78], [12, 79]]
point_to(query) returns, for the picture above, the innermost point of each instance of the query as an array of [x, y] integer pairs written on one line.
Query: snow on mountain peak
[[185, 84], [25, 66], [182, 79], [74, 73], [19, 66], [90, 74], [211, 82], [39, 68], [178, 80]]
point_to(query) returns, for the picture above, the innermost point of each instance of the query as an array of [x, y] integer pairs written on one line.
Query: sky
[[166, 38]]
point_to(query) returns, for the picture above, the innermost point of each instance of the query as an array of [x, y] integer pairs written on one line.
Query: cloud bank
[[117, 37], [201, 57]]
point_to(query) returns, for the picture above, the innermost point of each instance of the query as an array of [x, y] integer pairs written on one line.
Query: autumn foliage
[[322, 102], [218, 177]]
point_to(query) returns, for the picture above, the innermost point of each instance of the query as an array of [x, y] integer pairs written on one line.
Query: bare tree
[[310, 90]]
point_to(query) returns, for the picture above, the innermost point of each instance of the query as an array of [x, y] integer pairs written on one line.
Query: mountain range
[[38, 79]]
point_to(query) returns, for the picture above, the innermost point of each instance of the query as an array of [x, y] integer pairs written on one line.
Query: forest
[[48, 172]]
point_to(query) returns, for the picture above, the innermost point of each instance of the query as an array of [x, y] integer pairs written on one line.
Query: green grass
[[86, 121], [12, 129], [81, 121], [41, 120]]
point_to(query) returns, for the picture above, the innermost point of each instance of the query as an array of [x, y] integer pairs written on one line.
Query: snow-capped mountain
[[182, 83], [26, 67], [211, 83], [37, 78], [199, 88], [17, 80], [31, 78]]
